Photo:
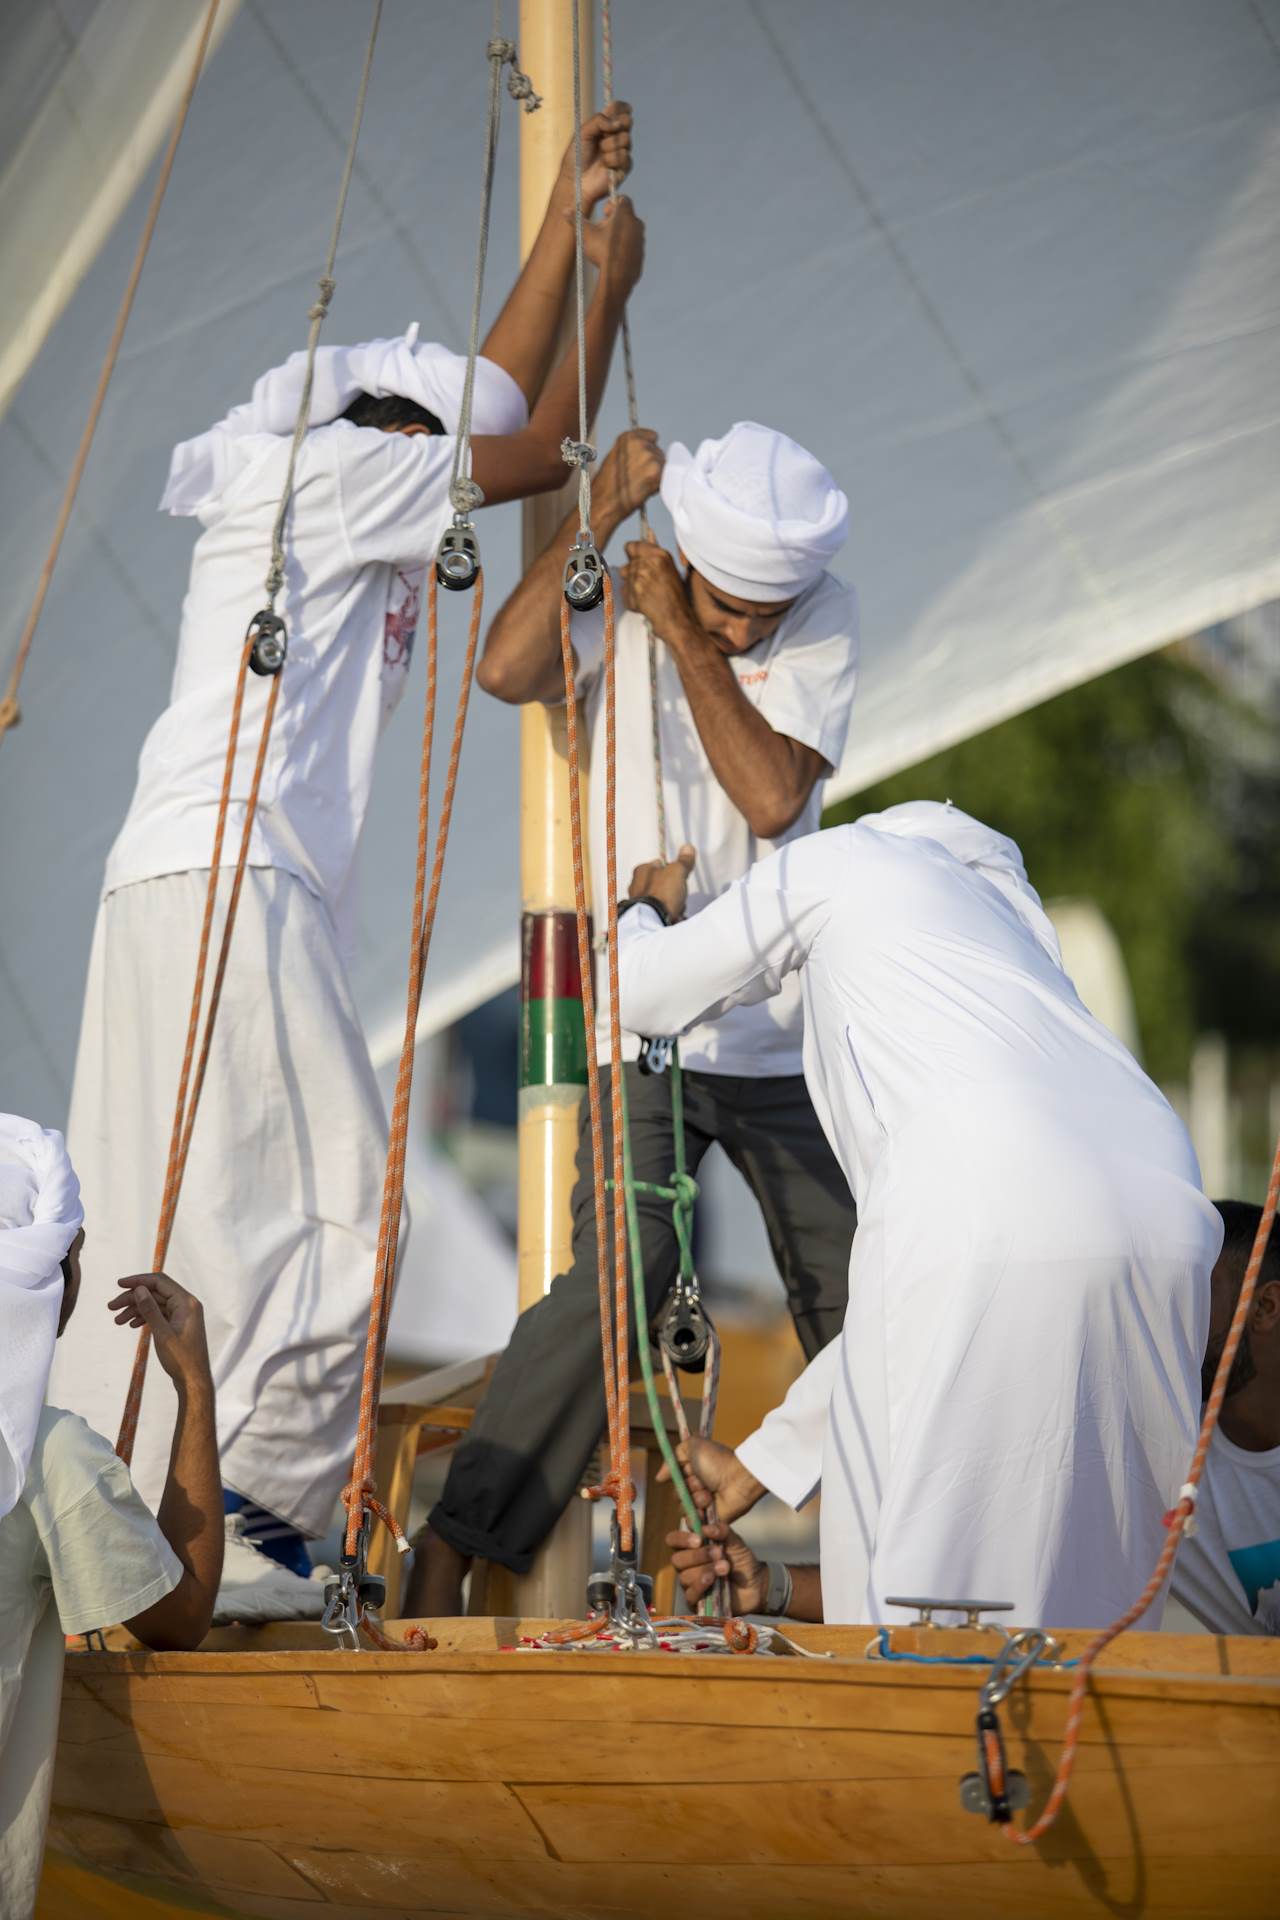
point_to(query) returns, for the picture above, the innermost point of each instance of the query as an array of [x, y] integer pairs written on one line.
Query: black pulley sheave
[[270, 643]]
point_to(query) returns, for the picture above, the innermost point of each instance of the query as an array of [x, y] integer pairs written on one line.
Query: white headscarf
[[754, 513], [40, 1216], [993, 855], [202, 469]]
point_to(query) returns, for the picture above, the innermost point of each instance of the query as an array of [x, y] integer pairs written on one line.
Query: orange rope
[[10, 711], [1176, 1521], [615, 1333], [359, 1493], [189, 1090]]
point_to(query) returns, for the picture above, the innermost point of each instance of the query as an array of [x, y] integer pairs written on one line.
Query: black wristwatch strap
[[645, 900]]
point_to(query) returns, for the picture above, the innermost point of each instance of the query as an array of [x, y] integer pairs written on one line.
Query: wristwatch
[[645, 900], [777, 1596]]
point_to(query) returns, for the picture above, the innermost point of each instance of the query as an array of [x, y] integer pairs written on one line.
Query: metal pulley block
[[623, 1593], [685, 1332], [655, 1055], [995, 1791], [270, 643], [584, 573], [458, 557]]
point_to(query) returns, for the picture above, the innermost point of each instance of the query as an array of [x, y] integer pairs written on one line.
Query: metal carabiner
[[1017, 1656]]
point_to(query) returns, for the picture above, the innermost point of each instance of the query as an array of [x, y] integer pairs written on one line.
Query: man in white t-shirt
[[78, 1548], [278, 1219], [1227, 1572], [756, 662]]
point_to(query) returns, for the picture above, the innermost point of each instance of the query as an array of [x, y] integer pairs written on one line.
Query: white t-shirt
[[80, 1537], [1227, 1572], [802, 680], [367, 513]]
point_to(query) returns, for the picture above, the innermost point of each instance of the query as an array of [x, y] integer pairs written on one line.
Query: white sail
[[1011, 272]]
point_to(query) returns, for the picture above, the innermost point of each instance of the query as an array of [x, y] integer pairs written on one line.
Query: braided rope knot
[[321, 307], [684, 1189], [465, 495], [519, 85], [577, 453]]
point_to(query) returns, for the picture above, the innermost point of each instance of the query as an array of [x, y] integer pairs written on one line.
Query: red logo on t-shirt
[[402, 621]]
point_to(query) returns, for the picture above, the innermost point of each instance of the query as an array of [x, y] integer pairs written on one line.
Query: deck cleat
[[972, 1610]]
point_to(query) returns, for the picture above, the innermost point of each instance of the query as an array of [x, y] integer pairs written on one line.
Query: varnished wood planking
[[1017, 1887]]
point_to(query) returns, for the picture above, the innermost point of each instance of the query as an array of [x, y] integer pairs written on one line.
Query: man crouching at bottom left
[[78, 1548]]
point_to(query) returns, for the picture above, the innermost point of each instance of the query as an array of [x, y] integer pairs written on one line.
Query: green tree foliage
[[1151, 792]]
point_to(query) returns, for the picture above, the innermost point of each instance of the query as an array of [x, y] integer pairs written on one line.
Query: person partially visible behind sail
[[278, 1220]]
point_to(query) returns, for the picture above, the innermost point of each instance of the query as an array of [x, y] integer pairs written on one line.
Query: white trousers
[[277, 1226]]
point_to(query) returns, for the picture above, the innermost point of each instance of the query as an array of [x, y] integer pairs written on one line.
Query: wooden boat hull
[[593, 1786]]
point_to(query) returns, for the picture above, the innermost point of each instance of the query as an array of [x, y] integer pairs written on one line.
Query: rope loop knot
[[321, 307], [465, 494], [577, 453], [519, 85]]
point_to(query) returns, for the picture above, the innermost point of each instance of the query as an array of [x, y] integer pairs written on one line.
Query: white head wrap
[[754, 513], [992, 854], [202, 469], [40, 1216]]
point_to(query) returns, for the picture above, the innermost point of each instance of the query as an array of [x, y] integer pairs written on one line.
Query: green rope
[[681, 1193]]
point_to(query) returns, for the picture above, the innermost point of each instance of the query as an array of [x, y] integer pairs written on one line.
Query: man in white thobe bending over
[[278, 1221], [1013, 1402]]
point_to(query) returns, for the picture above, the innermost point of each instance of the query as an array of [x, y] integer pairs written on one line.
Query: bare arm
[[190, 1516], [522, 339], [512, 466], [767, 775], [721, 1554], [521, 659]]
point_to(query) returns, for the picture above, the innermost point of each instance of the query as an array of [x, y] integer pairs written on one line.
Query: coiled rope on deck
[[10, 711], [194, 1066]]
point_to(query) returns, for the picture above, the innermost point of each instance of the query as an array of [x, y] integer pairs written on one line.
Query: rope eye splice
[[996, 1790]]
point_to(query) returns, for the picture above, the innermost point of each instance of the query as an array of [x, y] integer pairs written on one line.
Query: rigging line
[[1091, 580], [633, 418], [10, 711], [189, 1088], [580, 453]]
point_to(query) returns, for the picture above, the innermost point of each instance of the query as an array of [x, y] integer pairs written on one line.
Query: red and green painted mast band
[[553, 1037]]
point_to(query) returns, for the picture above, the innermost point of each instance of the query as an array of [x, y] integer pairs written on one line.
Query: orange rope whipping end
[[1177, 1519], [739, 1635]]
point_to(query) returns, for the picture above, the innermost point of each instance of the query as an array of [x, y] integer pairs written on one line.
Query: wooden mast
[[552, 1036]]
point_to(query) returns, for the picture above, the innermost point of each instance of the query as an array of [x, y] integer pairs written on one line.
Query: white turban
[[993, 855], [754, 513], [40, 1216], [202, 469]]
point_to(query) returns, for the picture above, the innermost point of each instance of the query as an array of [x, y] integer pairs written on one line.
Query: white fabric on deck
[[278, 1222], [1015, 1393]]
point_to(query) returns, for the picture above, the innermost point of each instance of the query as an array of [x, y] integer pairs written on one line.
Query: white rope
[[633, 419], [464, 493], [275, 572], [580, 453]]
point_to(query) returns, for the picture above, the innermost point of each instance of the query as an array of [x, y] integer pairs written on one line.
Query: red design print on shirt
[[402, 621]]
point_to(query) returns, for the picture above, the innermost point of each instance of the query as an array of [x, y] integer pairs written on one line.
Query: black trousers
[[544, 1412]]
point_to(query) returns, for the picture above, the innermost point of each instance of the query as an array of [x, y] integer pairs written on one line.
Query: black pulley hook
[[458, 557], [584, 573], [270, 643]]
